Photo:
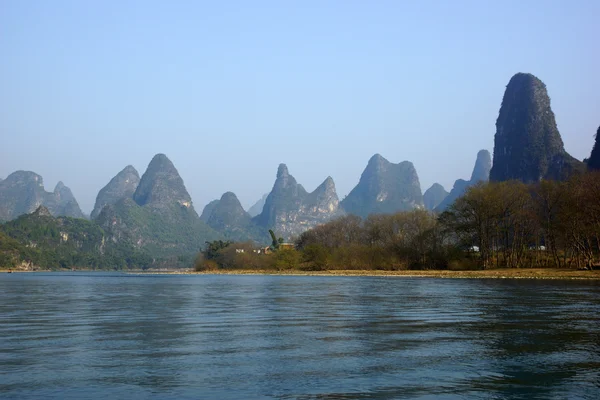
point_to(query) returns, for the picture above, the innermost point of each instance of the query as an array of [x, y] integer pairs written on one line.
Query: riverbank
[[505, 273], [508, 273]]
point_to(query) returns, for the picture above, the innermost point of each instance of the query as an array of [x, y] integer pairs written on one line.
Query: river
[[102, 335]]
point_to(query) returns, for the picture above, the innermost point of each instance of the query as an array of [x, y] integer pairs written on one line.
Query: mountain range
[[154, 214]]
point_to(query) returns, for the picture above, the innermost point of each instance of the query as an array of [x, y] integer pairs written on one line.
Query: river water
[[74, 336]]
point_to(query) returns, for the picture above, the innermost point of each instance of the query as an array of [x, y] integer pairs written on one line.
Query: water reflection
[[73, 336]]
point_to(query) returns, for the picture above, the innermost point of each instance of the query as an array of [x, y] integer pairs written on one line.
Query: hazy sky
[[228, 90]]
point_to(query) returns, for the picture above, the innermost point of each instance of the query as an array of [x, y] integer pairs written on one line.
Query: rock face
[[290, 210], [159, 218], [22, 192], [594, 160], [480, 173], [258, 206], [122, 186], [434, 196], [527, 144], [385, 187]]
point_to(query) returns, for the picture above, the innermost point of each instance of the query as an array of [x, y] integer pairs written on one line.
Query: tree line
[[493, 225]]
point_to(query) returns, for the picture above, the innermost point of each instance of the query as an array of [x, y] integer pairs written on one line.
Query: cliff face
[[434, 196], [384, 187], [290, 210], [122, 186], [22, 192], [480, 173], [527, 144]]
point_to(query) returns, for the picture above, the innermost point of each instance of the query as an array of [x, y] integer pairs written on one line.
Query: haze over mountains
[[22, 192], [481, 173], [155, 214]]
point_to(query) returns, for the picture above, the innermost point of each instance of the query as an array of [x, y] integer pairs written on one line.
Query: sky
[[230, 89]]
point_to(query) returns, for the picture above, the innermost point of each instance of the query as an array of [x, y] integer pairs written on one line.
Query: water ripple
[[72, 336]]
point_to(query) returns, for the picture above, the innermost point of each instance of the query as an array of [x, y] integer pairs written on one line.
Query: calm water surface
[[72, 336]]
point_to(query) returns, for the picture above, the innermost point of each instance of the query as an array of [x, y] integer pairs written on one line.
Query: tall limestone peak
[[290, 210], [434, 196], [594, 160], [161, 185], [62, 202], [285, 184], [483, 165], [527, 144], [384, 187], [122, 185], [159, 217], [22, 192]]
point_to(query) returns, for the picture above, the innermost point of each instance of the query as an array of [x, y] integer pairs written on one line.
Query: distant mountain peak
[[22, 192], [161, 185], [329, 183], [290, 210], [121, 186], [282, 171], [481, 173], [384, 187], [257, 207], [483, 165], [434, 196]]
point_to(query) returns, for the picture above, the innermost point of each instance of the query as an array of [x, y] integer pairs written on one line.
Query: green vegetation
[[42, 241], [175, 230]]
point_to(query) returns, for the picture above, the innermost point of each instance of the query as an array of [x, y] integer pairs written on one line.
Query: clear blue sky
[[228, 90]]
